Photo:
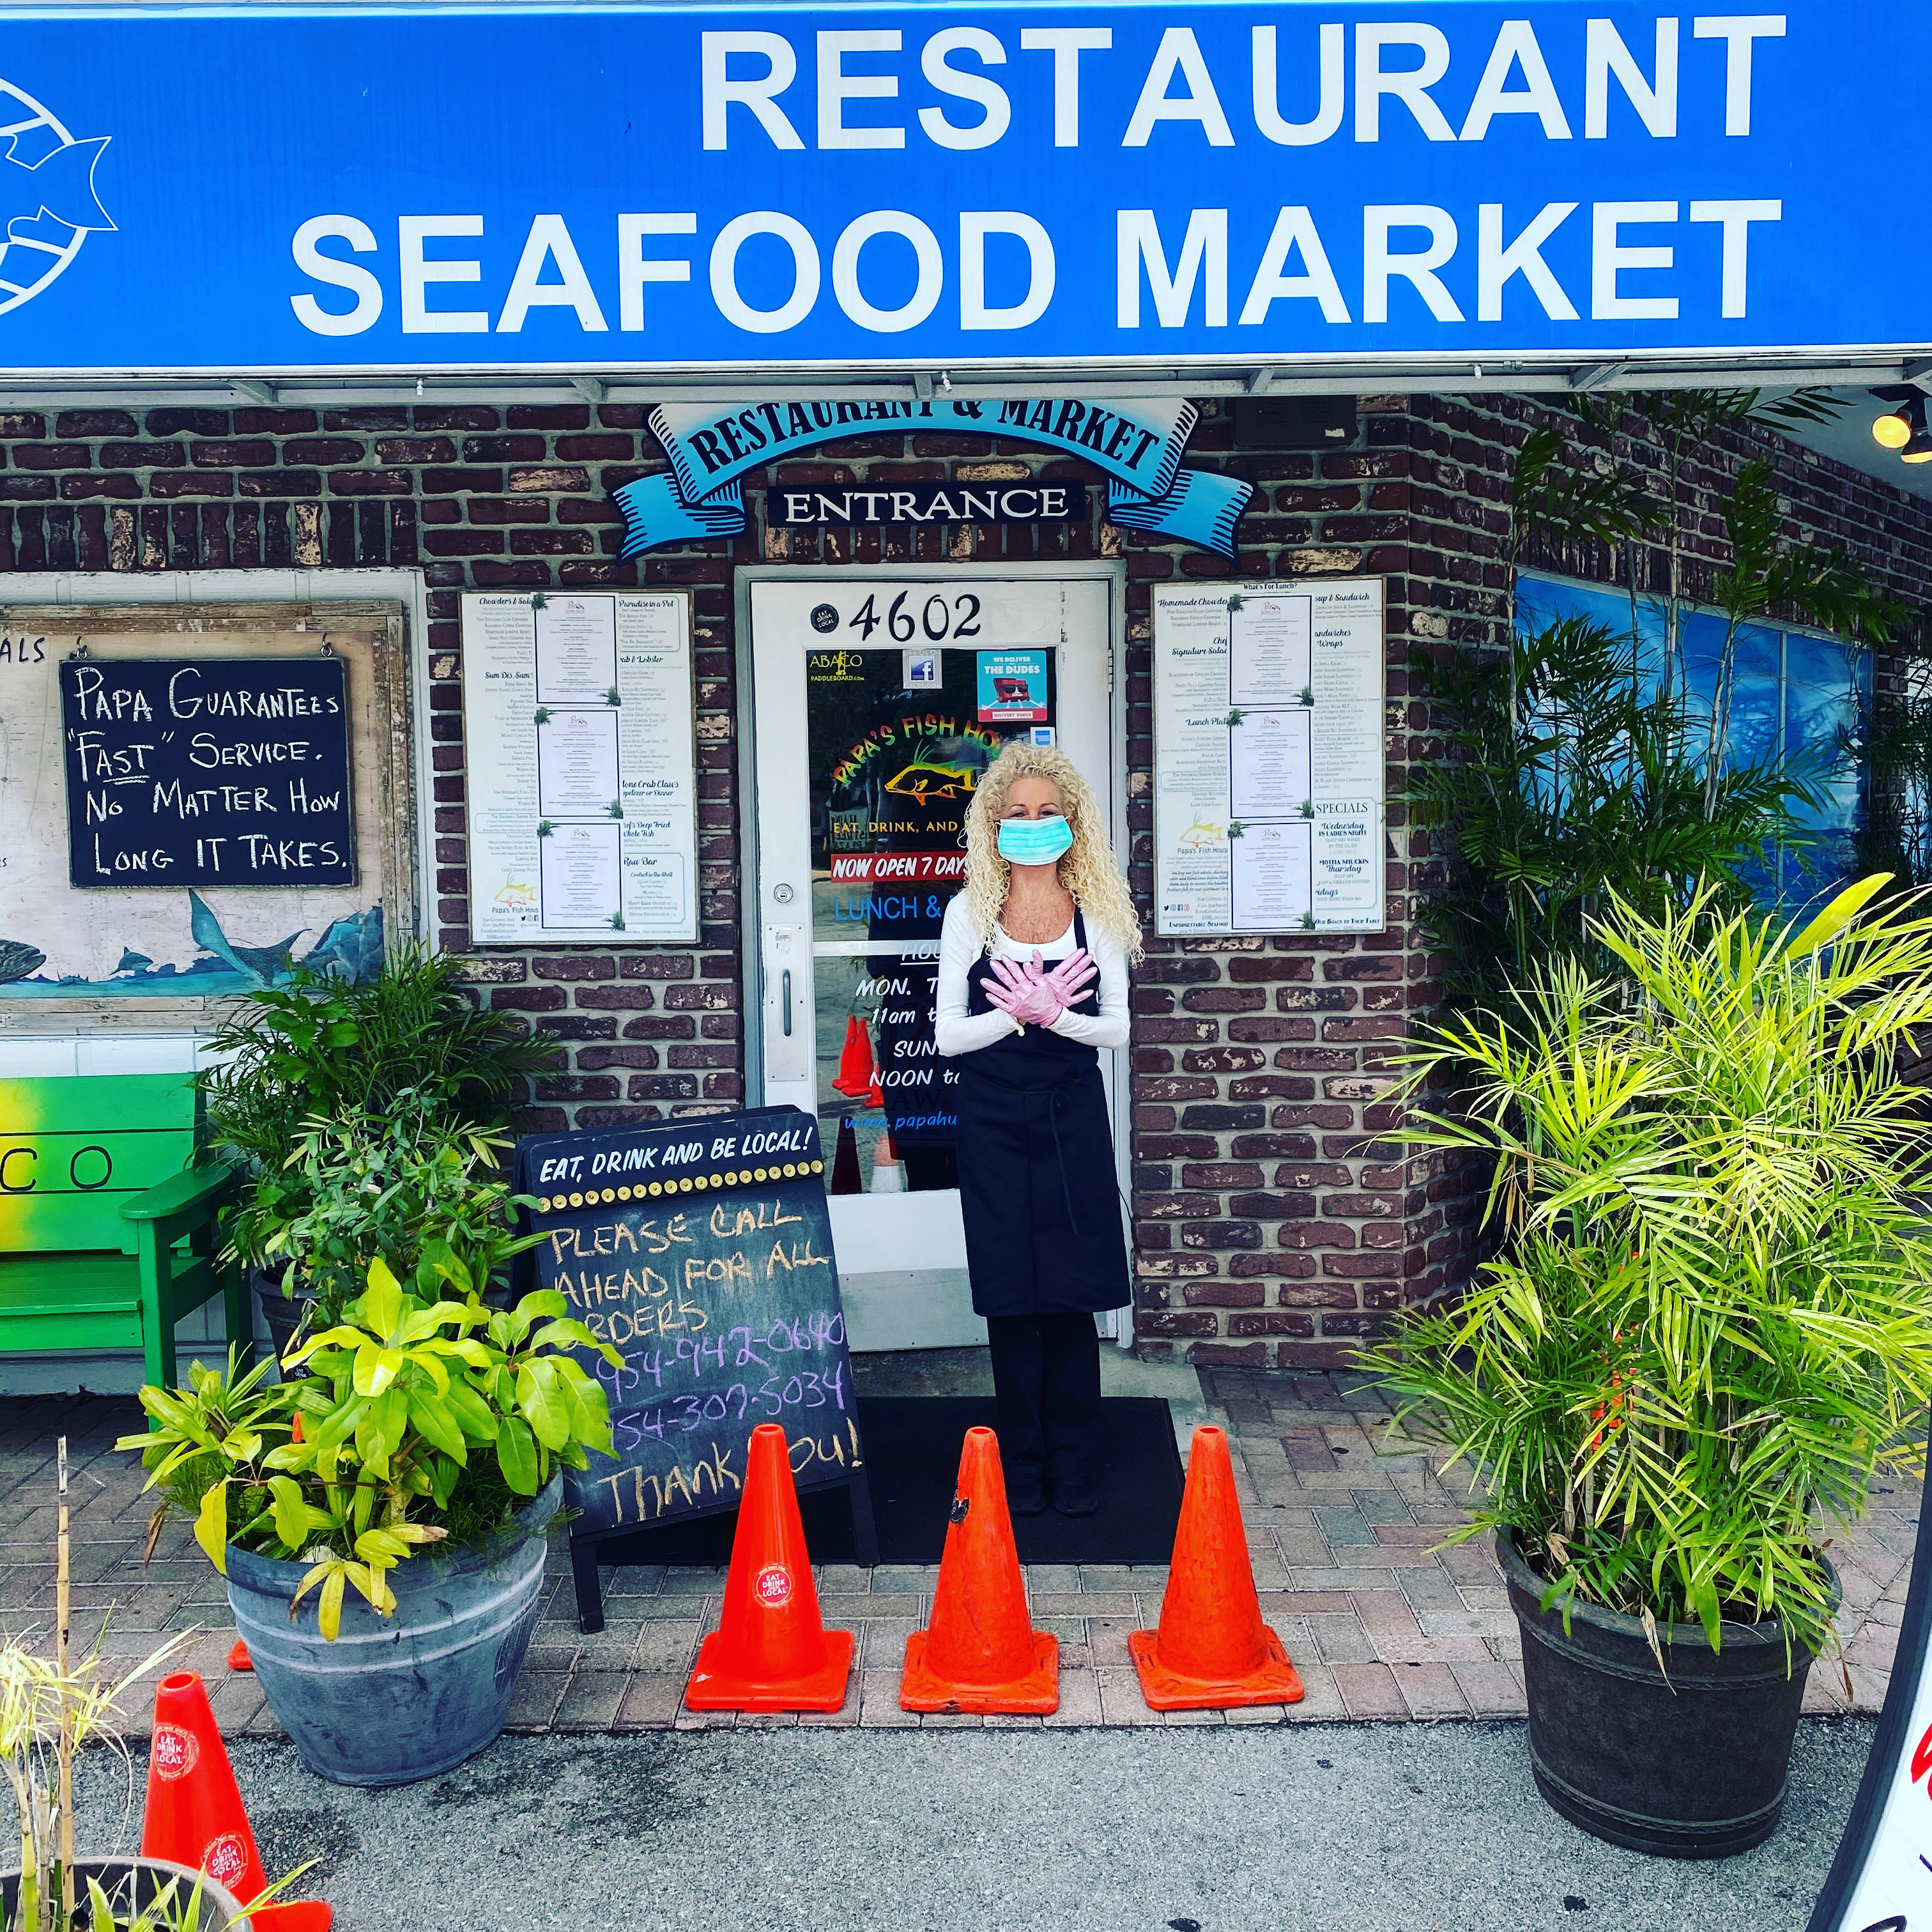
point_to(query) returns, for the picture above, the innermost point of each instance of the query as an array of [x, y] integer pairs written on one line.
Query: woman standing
[[1033, 982]]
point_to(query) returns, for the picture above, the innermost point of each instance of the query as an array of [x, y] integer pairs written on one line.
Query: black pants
[[1046, 1374]]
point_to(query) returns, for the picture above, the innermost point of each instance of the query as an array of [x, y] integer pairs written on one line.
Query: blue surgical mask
[[1033, 841]]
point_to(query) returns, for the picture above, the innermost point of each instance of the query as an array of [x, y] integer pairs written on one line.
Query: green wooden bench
[[107, 1218]]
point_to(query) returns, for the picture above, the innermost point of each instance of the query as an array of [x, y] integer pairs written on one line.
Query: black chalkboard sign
[[207, 772], [701, 1249]]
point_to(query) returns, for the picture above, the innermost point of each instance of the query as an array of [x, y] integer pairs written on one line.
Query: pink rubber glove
[[1024, 992], [1070, 978]]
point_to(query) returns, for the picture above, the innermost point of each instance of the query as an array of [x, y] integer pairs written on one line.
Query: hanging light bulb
[[1891, 430]]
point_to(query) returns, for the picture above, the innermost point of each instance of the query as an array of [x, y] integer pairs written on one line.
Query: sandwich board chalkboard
[[700, 1248]]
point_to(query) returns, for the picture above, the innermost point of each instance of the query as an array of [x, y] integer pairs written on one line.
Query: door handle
[[784, 996]]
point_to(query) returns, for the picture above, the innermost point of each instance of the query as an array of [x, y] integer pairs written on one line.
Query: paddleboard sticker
[[772, 1588], [176, 1752]]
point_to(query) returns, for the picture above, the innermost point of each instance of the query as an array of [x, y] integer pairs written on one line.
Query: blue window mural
[[1793, 693]]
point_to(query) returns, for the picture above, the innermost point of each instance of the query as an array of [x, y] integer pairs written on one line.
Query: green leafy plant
[[321, 1048], [1580, 769], [421, 1421], [1710, 1319], [1570, 783], [404, 1185], [1892, 737]]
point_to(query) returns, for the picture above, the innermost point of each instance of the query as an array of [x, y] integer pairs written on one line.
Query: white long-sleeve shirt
[[957, 1031]]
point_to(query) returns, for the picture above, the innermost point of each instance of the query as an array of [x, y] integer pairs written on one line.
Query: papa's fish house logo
[[48, 205]]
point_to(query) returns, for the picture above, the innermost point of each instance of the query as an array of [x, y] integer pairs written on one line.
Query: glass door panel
[[869, 750]]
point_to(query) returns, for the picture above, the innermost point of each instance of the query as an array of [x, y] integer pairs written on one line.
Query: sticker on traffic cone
[[981, 1652], [770, 1651], [1212, 1651], [194, 1814]]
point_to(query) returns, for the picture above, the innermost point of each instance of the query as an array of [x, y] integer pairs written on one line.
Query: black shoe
[[1075, 1495], [1025, 1495]]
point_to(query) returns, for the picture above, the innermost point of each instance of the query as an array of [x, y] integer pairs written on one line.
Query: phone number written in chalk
[[687, 1414], [739, 1349]]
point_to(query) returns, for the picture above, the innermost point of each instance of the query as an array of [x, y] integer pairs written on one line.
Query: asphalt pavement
[[1307, 1827]]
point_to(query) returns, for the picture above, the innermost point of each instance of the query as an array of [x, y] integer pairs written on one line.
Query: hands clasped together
[[1034, 994]]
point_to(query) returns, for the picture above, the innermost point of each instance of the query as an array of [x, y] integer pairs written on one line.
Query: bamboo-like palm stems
[[1712, 1318]]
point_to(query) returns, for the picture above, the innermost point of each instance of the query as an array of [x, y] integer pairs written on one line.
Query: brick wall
[[1274, 1225]]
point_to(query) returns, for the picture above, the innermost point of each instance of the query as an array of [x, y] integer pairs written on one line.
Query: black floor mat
[[912, 1448]]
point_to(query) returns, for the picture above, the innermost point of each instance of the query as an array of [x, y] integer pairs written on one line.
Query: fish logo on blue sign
[[48, 203]]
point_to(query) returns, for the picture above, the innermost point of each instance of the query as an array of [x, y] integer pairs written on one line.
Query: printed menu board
[[1268, 758], [582, 783]]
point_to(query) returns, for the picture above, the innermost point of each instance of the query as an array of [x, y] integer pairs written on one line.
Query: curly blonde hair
[[1088, 868]]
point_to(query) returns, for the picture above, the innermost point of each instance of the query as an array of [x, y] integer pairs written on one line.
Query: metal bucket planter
[[395, 1698], [1694, 1768], [133, 1883]]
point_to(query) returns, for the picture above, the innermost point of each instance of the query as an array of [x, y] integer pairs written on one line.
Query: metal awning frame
[[644, 384]]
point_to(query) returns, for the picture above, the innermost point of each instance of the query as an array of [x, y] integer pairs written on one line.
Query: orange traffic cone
[[1212, 1650], [770, 1651], [194, 1814], [856, 1074], [238, 1658], [981, 1652]]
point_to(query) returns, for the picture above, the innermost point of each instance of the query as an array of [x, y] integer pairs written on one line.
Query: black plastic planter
[[1694, 1768]]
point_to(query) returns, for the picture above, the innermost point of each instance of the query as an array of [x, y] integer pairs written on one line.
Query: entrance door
[[880, 697]]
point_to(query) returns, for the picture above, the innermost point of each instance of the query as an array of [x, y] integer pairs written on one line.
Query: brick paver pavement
[[1342, 1523]]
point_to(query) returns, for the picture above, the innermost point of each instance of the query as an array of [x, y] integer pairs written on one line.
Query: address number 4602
[[937, 620]]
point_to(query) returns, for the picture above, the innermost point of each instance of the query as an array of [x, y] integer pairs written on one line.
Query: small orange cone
[[194, 1814], [770, 1651], [981, 1652], [1212, 1651], [856, 1075], [238, 1658]]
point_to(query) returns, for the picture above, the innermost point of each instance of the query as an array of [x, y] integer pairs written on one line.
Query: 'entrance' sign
[[1032, 502], [701, 1250], [207, 772]]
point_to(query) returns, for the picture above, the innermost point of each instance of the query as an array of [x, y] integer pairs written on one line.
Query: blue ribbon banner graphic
[[1138, 444]]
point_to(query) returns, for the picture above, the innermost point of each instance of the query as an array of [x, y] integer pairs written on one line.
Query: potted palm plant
[[418, 1466], [406, 1048], [1709, 1324]]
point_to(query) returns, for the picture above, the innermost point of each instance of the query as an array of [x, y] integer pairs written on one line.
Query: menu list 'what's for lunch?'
[[1268, 763], [577, 722]]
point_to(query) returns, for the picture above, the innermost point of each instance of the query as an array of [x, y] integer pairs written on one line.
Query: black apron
[[1037, 1184]]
